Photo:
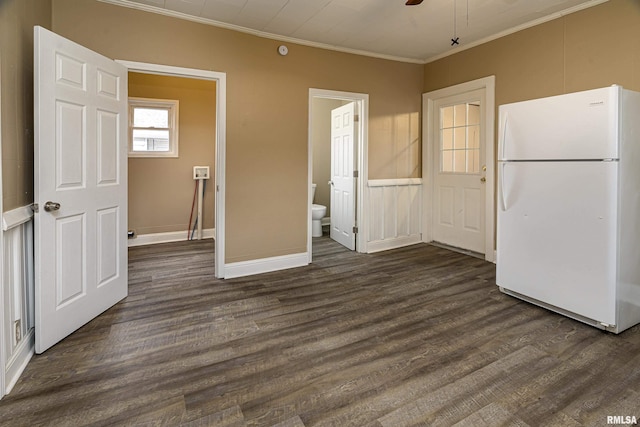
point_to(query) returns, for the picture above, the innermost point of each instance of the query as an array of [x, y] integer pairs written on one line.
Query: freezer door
[[556, 235], [581, 125]]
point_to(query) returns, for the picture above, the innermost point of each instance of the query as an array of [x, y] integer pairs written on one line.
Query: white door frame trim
[[221, 144], [362, 102], [3, 362], [487, 84]]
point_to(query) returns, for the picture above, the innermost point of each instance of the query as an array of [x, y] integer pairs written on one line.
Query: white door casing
[[80, 155], [220, 152], [459, 208], [3, 363], [343, 208]]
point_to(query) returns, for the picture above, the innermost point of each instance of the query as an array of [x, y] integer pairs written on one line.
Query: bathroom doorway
[[321, 105]]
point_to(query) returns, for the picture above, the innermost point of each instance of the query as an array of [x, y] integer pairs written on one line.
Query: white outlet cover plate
[[201, 172]]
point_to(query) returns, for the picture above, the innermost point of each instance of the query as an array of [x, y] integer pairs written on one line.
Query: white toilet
[[317, 213]]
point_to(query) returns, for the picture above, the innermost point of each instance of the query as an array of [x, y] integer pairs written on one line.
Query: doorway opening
[[345, 214], [220, 144], [172, 133], [459, 163]]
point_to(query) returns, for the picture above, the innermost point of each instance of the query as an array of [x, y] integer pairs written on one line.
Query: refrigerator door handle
[[503, 198], [504, 136]]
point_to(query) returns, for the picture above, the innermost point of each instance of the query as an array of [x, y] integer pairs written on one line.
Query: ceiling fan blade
[[413, 2]]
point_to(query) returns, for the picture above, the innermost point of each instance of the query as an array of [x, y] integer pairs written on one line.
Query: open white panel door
[[80, 185], [343, 183]]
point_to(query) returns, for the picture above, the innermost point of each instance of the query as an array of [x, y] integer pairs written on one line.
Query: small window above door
[[153, 127]]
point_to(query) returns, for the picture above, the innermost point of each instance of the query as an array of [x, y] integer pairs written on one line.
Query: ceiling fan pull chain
[[455, 39]]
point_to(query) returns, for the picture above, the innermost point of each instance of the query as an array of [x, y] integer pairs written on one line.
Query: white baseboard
[[174, 236], [20, 359], [265, 265], [393, 243]]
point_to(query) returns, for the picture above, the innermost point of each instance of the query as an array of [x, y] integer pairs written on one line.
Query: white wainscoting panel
[[18, 289], [394, 213]]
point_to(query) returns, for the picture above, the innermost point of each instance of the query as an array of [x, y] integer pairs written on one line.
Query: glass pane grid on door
[[460, 138]]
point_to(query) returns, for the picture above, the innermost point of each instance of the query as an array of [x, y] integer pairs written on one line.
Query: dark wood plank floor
[[414, 336]]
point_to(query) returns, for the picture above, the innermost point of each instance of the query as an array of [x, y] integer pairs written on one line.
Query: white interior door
[[459, 184], [343, 208], [80, 186]]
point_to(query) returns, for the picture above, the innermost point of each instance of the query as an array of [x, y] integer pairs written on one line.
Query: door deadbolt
[[51, 206]]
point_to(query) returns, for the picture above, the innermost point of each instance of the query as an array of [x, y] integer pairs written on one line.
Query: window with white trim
[[153, 127]]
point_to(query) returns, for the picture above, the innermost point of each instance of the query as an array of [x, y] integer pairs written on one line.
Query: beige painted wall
[[267, 111], [17, 18], [161, 189]]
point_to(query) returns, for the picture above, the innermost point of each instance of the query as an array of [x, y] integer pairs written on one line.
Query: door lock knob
[[51, 206], [483, 179]]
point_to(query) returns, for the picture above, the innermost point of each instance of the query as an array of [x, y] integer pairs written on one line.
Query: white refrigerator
[[568, 221]]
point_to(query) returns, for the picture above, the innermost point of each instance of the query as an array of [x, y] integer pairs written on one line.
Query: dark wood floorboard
[[417, 336]]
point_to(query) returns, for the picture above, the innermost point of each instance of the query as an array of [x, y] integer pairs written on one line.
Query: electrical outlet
[[201, 172], [18, 331]]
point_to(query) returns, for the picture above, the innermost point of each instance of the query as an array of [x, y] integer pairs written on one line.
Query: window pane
[[447, 139], [460, 115], [474, 114], [459, 138], [150, 140], [150, 118], [473, 137], [446, 117]]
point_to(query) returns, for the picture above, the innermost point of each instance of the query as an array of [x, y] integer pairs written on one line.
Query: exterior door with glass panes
[[459, 179]]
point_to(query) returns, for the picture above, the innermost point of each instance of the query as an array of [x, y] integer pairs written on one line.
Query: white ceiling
[[380, 28]]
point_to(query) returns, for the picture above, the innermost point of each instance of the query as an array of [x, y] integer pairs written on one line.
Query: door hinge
[[35, 208], [356, 117], [355, 230], [18, 330], [355, 174]]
